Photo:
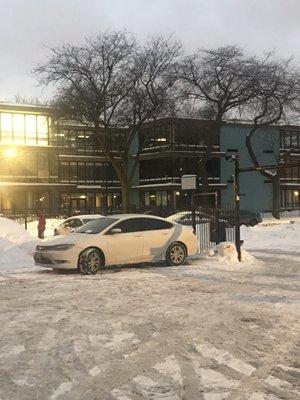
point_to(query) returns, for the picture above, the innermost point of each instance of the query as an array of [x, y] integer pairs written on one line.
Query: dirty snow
[[225, 254], [198, 331]]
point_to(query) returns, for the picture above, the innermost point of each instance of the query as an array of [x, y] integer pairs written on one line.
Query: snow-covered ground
[[196, 332], [213, 329], [283, 236]]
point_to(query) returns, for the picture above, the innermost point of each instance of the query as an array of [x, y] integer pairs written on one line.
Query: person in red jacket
[[41, 225]]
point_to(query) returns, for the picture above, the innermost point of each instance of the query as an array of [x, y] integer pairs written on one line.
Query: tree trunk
[[125, 187], [274, 179], [276, 197]]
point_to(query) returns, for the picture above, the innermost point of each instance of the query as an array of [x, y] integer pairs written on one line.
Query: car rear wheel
[[90, 261], [176, 254]]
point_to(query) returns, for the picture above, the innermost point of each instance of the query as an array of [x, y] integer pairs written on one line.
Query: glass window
[[164, 198], [43, 166], [81, 171], [30, 129], [129, 225], [90, 175], [89, 141], [18, 128], [73, 223], [62, 137], [42, 130], [64, 171], [81, 140], [150, 224], [99, 176], [97, 225], [73, 171], [72, 139], [6, 128], [31, 166]]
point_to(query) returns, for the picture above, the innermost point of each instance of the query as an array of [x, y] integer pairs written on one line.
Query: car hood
[[77, 238]]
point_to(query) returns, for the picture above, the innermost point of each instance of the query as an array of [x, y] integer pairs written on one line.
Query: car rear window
[[96, 225]]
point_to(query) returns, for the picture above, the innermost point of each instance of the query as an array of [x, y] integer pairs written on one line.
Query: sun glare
[[10, 152]]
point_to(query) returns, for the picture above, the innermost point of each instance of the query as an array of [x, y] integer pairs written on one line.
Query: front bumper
[[56, 259]]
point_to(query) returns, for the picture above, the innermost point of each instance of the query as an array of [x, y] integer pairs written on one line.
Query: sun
[[10, 152]]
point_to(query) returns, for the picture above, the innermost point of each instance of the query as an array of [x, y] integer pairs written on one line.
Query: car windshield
[[96, 226], [86, 220]]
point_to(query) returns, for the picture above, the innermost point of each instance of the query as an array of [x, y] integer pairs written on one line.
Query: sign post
[[189, 182]]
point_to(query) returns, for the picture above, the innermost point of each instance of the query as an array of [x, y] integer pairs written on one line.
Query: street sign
[[189, 182]]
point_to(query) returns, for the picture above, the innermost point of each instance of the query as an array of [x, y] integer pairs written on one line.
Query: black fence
[[213, 225]]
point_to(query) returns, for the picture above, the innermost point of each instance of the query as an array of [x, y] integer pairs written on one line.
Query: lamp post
[[237, 197]]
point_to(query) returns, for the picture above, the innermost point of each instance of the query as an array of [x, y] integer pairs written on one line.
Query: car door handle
[[137, 235], [164, 233]]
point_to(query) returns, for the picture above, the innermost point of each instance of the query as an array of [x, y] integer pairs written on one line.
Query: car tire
[[253, 222], [90, 261], [176, 254]]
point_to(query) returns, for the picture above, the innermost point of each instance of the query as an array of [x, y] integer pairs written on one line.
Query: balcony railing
[[178, 147]]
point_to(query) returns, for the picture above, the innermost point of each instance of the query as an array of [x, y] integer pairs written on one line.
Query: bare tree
[[113, 85], [275, 89], [217, 82]]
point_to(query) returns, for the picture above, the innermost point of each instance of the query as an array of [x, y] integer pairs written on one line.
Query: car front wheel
[[90, 261], [176, 254]]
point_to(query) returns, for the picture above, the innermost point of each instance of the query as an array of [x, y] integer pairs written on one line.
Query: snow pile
[[16, 245], [225, 253], [284, 237], [285, 217]]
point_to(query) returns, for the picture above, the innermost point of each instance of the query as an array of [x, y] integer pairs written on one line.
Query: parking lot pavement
[[193, 332]]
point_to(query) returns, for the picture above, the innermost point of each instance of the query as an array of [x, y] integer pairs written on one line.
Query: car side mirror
[[115, 230]]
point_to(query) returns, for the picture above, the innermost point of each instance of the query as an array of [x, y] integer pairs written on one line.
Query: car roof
[[91, 216], [126, 216]]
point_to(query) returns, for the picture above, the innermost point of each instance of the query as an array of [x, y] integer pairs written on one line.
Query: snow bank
[[285, 236], [225, 253], [285, 217], [224, 257], [16, 246]]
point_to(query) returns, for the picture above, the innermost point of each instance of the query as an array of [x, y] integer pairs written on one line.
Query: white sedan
[[72, 223], [118, 239]]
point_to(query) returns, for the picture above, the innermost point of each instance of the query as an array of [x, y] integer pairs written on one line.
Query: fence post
[[237, 206], [193, 211], [217, 225], [26, 221]]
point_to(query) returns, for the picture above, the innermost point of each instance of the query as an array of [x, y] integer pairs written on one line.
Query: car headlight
[[56, 247]]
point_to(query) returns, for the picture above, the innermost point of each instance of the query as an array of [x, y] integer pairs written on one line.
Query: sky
[[29, 28]]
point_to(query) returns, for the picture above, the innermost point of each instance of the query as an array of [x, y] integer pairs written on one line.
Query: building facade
[[59, 167], [56, 167], [290, 177], [170, 148]]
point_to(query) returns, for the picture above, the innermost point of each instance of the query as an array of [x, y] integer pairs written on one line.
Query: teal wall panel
[[257, 193]]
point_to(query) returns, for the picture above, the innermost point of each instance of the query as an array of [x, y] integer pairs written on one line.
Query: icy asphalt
[[201, 331]]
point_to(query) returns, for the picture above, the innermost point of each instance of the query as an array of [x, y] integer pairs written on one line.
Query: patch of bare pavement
[[193, 333]]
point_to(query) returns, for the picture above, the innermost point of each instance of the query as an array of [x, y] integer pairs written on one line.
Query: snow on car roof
[[125, 216], [91, 216]]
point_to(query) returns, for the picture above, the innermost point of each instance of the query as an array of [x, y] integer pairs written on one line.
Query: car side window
[[66, 224], [150, 224], [74, 223], [129, 225]]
